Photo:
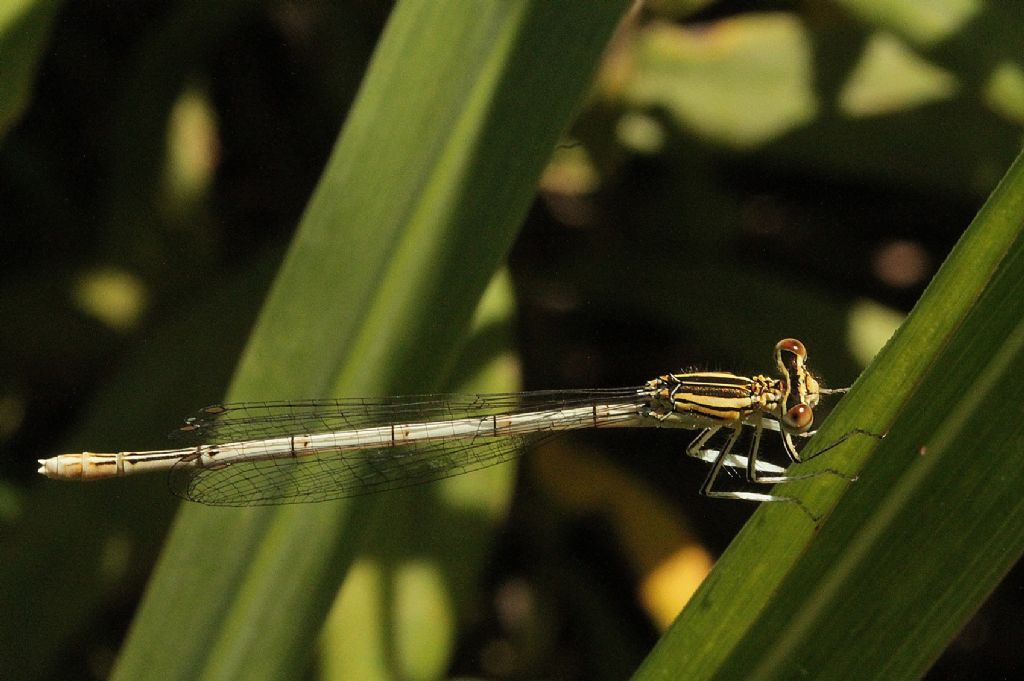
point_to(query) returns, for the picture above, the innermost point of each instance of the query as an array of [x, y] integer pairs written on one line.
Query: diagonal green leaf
[[912, 549], [416, 209]]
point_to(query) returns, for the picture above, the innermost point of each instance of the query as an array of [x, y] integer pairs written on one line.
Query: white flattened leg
[[708, 488]]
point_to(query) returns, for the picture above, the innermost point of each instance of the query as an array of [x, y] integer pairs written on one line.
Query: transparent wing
[[239, 421], [331, 474], [339, 475]]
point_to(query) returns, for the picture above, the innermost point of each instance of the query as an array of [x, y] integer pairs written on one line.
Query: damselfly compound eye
[[798, 418], [792, 345]]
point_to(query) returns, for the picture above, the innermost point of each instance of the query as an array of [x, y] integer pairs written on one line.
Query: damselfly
[[257, 453]]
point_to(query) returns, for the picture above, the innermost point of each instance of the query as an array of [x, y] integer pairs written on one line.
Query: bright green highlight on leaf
[[891, 77], [697, 77], [1005, 91], [923, 21], [24, 30]]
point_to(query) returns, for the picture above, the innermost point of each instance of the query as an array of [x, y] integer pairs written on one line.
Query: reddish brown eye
[[792, 345], [798, 418]]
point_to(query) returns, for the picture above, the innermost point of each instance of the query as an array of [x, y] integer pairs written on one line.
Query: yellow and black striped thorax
[[730, 398], [716, 395]]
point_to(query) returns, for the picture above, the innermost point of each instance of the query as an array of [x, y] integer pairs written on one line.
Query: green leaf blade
[[912, 548], [416, 210]]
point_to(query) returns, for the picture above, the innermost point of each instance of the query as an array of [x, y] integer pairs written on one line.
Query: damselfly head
[[801, 391]]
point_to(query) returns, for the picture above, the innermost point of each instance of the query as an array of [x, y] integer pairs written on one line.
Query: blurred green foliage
[[740, 172]]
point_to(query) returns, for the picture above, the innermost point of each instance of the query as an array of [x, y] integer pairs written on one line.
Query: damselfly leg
[[755, 469], [753, 464]]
